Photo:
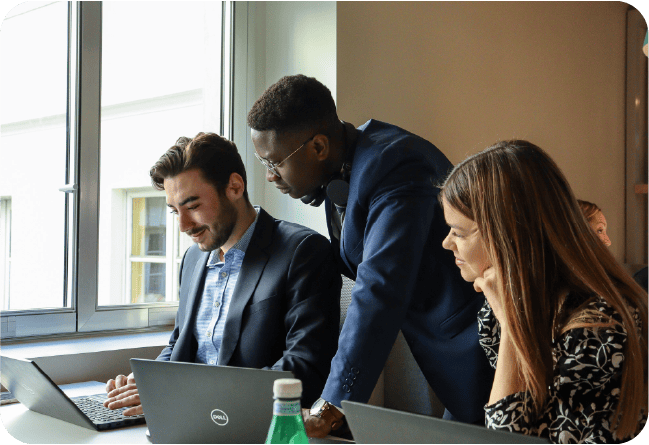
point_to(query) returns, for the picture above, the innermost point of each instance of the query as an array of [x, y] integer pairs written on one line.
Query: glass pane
[[149, 230], [33, 93], [160, 81], [148, 282]]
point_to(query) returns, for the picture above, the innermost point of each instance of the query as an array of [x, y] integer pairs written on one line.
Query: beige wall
[[465, 75]]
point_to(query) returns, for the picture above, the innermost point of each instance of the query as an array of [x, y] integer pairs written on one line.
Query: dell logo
[[27, 388], [219, 417]]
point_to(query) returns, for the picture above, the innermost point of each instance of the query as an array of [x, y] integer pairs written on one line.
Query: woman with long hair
[[563, 323]]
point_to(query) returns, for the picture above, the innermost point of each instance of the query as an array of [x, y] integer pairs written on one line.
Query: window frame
[[83, 314], [5, 249], [170, 259]]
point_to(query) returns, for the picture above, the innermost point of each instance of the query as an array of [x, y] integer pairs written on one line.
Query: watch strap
[[331, 415]]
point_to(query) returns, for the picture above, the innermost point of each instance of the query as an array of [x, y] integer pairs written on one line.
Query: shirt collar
[[241, 245]]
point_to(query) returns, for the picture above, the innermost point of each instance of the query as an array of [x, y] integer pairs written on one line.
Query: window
[[5, 250], [117, 83], [152, 251]]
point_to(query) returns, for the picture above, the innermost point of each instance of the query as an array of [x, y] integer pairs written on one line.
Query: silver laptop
[[196, 403], [373, 424], [34, 389]]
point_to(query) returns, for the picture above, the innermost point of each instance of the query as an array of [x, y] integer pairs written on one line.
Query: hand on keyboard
[[123, 393]]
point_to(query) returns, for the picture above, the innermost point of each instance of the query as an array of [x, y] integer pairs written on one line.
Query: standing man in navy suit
[[255, 292], [378, 184]]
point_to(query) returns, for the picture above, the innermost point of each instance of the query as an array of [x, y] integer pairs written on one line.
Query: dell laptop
[[374, 424], [34, 389], [197, 403]]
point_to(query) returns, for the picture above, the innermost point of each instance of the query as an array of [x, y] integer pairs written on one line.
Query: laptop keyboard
[[6, 397], [92, 406]]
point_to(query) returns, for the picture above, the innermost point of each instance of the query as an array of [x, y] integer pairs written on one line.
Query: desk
[[30, 427], [21, 424]]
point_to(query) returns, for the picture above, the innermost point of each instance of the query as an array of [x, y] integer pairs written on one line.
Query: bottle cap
[[287, 389]]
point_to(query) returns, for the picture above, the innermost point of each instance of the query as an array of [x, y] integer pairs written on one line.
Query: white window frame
[[83, 313], [171, 260], [5, 248]]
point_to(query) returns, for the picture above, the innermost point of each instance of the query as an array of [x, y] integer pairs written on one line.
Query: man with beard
[[255, 292]]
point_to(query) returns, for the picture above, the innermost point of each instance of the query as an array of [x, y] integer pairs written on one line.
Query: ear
[[236, 187], [321, 146]]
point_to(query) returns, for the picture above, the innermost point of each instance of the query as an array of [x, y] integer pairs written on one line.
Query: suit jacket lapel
[[191, 308], [252, 267]]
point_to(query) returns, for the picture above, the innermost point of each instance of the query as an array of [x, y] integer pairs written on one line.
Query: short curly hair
[[294, 103]]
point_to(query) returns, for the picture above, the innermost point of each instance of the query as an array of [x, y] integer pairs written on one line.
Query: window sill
[[97, 357]]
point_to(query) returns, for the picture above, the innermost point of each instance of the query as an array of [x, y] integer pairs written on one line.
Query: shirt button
[[209, 334], [217, 303], [224, 274], [212, 362]]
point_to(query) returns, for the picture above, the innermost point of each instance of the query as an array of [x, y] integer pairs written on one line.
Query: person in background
[[595, 218], [255, 292], [377, 183], [563, 323]]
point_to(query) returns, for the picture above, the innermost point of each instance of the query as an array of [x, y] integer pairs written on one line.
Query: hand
[[124, 393], [119, 381], [491, 286], [315, 426]]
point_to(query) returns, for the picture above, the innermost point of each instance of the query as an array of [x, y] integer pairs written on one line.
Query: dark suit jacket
[[392, 246], [284, 313]]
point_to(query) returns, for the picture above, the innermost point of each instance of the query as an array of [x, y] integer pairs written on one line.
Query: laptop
[[374, 424], [197, 403], [34, 389]]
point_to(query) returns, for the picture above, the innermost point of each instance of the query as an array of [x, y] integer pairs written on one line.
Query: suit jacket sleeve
[[398, 202], [312, 315]]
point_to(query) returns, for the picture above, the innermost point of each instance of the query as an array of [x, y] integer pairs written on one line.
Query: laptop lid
[[197, 403], [34, 389], [374, 424]]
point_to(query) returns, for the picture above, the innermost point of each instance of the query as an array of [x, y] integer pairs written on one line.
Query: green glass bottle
[[287, 425]]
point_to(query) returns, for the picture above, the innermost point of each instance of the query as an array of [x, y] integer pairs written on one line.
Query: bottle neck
[[286, 407]]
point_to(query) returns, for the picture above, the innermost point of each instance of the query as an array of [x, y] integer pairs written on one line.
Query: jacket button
[[355, 371], [346, 388]]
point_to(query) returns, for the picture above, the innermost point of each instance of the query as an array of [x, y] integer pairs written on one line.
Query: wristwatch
[[327, 412]]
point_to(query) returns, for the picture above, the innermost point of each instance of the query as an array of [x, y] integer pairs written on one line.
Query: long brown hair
[[541, 245]]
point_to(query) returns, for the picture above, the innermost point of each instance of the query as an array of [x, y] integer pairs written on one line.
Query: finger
[[126, 400], [134, 411], [110, 385], [121, 390], [131, 379], [477, 284], [120, 381]]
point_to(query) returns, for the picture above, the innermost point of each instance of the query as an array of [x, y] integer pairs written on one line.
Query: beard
[[219, 231]]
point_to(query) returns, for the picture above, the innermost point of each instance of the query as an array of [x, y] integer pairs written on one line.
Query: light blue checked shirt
[[220, 281]]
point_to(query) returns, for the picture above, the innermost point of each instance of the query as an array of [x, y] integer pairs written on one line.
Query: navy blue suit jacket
[[392, 246], [284, 313]]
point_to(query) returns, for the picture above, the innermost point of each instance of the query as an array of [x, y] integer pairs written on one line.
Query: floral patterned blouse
[[585, 389]]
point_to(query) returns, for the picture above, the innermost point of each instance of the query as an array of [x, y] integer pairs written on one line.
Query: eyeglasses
[[272, 167]]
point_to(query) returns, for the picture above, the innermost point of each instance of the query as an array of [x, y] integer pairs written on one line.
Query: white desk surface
[[24, 426], [21, 424]]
